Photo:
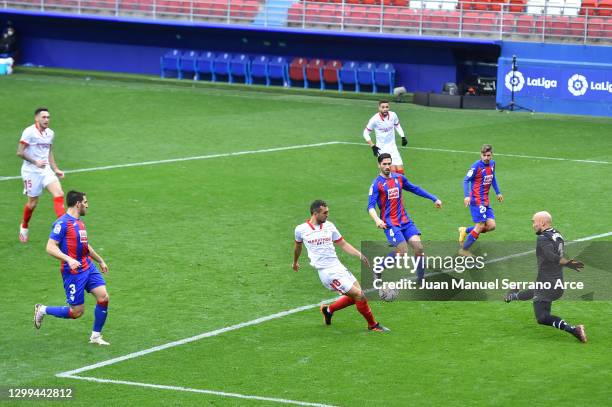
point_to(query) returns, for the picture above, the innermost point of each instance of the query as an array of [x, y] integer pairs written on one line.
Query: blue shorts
[[75, 285], [397, 234], [481, 213]]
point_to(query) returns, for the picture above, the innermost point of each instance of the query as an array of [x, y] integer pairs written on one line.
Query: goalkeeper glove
[[404, 141], [574, 264], [376, 150]]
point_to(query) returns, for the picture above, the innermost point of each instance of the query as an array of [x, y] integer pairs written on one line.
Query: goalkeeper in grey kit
[[551, 260]]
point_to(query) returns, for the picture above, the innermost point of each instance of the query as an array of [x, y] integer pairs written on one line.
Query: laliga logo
[[515, 80], [577, 85]]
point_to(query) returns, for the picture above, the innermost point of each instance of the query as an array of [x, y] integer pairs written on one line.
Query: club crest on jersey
[[393, 193]]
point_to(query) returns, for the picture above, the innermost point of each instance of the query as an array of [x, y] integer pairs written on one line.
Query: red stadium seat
[[595, 28], [525, 24], [452, 20], [296, 69], [391, 17], [312, 13], [401, 3], [588, 7], [372, 16], [481, 5], [604, 9], [517, 6], [330, 14], [330, 71], [508, 23], [558, 25], [314, 71], [409, 18], [577, 27], [295, 14]]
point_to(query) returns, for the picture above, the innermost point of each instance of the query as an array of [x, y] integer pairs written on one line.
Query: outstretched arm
[[348, 248]]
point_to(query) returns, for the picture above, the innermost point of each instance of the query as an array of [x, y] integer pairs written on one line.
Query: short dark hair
[[73, 197], [486, 148], [382, 156], [316, 205], [380, 102], [40, 109]]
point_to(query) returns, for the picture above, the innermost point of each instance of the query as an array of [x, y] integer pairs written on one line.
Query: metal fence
[[559, 21]]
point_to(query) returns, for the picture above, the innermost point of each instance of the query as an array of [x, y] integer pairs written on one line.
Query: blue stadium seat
[[171, 62], [259, 68], [188, 64], [365, 75], [384, 75], [204, 65], [278, 68], [240, 65], [348, 75], [222, 65]]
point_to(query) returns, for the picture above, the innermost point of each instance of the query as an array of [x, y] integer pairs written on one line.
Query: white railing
[[539, 20]]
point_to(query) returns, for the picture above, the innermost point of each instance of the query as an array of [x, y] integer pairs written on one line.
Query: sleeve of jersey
[[298, 235], [466, 181], [58, 231], [336, 236], [25, 138], [548, 249], [372, 197], [368, 130], [495, 187], [417, 190]]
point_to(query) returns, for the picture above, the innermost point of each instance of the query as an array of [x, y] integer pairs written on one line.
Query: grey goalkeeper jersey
[[549, 250]]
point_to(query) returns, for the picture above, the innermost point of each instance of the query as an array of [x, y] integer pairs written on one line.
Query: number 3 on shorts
[[72, 288]]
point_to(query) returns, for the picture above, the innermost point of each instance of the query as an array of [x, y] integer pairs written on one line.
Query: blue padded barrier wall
[[555, 78]]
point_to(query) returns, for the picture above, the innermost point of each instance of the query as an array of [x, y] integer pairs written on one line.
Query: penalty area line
[[201, 391]]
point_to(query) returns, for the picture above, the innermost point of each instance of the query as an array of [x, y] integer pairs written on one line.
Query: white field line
[[532, 157], [263, 319], [198, 157], [274, 149], [192, 390]]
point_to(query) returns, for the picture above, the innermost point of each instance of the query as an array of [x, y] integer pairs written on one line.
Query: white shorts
[[337, 278], [396, 159], [35, 180]]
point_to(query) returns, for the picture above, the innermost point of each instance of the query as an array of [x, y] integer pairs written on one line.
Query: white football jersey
[[37, 144], [319, 241], [384, 128]]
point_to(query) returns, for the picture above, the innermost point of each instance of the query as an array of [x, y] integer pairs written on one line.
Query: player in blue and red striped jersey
[[476, 185], [386, 192], [68, 242]]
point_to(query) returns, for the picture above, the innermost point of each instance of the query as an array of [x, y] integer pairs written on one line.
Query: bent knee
[[76, 312], [490, 228], [542, 320], [103, 299]]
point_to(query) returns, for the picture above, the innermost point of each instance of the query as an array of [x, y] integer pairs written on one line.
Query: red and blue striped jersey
[[478, 181], [387, 194], [71, 235]]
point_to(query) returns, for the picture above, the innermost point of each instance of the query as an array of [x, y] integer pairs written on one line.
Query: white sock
[[43, 309], [95, 334]]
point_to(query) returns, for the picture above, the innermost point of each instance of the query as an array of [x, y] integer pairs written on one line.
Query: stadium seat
[[205, 64], [401, 3], [295, 14], [577, 27], [240, 66], [604, 8], [508, 23], [221, 66], [384, 75], [297, 71], [331, 73], [452, 20], [595, 28], [312, 13], [278, 69], [372, 17], [330, 14], [188, 64], [365, 75], [517, 6], [588, 7], [558, 26], [391, 18], [314, 72], [348, 75], [259, 69], [171, 62]]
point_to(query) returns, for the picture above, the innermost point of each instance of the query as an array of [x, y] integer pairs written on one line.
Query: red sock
[[364, 309], [342, 302], [58, 205], [474, 234], [400, 171], [27, 215]]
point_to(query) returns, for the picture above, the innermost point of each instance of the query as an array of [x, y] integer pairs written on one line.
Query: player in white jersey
[[39, 170], [384, 124], [319, 237]]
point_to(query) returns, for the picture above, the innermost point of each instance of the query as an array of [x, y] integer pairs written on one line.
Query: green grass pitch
[[196, 246]]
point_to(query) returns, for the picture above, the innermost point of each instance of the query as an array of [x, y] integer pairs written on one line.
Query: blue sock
[[59, 312], [469, 229], [469, 241], [100, 313]]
